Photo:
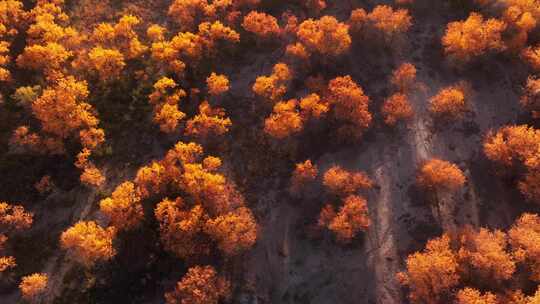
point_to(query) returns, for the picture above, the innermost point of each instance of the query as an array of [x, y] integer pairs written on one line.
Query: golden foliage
[[473, 296], [210, 121], [397, 107], [285, 120], [431, 273], [449, 102], [7, 262], [15, 217], [88, 243], [181, 229], [234, 232], [524, 237], [123, 207], [485, 252], [62, 109], [530, 100], [217, 84], [388, 21], [34, 285], [404, 77], [326, 36], [438, 174], [465, 40], [344, 183], [313, 106], [303, 174], [531, 55], [350, 103], [352, 217], [273, 87], [263, 25], [200, 285]]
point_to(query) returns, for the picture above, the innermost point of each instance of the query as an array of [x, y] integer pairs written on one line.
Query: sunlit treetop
[[325, 36]]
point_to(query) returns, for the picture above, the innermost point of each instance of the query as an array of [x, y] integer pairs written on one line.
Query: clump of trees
[[473, 37], [33, 287], [457, 267], [13, 218], [439, 175], [88, 243], [450, 102], [516, 148], [201, 284]]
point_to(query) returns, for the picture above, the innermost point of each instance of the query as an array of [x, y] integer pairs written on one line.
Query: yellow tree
[[436, 174], [473, 296], [325, 36], [181, 229], [465, 40], [217, 84], [200, 285], [432, 273], [303, 174], [33, 286], [389, 21], [450, 102], [273, 87], [285, 120], [397, 107], [343, 183], [524, 238], [234, 232], [350, 103], [210, 121], [485, 252], [352, 217], [262, 25], [123, 207], [88, 243]]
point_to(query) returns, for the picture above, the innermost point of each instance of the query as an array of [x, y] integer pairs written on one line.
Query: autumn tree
[[530, 100], [209, 122], [285, 120], [450, 102], [217, 84], [466, 40], [325, 36], [88, 243], [352, 218], [343, 183], [262, 25], [436, 174], [473, 296], [234, 232], [150, 179], [62, 108], [123, 207], [181, 228], [517, 148], [303, 174], [404, 77], [486, 254], [524, 238], [531, 55], [396, 108], [33, 286], [431, 274], [312, 106], [273, 87], [358, 21], [14, 217], [350, 104], [389, 21], [200, 285], [165, 99]]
